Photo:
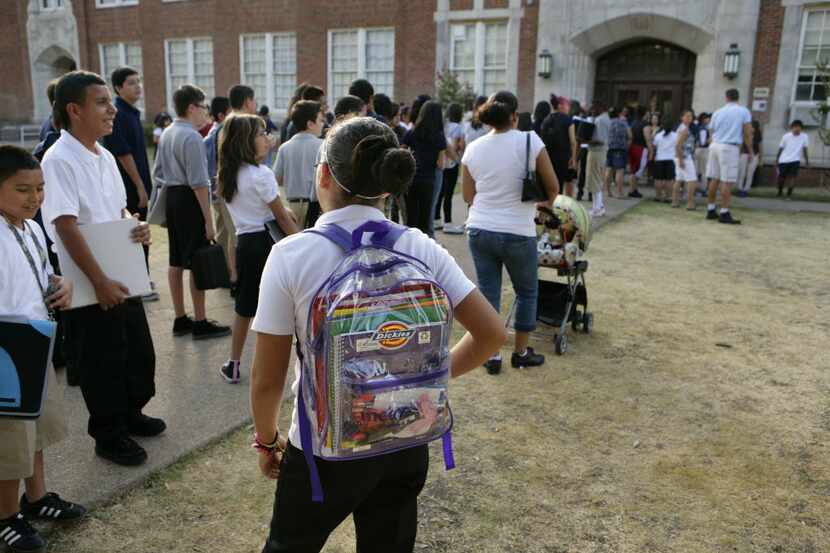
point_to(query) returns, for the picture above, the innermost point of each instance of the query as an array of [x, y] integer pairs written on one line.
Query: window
[[113, 3], [361, 53], [51, 4], [189, 61], [478, 55], [269, 66], [117, 54], [815, 47]]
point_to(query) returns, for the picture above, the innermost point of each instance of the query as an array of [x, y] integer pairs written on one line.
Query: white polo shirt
[[80, 183], [792, 146], [256, 187], [300, 264], [20, 295]]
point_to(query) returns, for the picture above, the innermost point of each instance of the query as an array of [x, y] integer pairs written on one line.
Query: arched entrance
[[649, 74], [50, 64]]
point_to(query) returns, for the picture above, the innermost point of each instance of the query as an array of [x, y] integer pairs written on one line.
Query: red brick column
[[767, 47]]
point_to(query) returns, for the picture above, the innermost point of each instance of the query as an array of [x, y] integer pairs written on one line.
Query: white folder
[[118, 256]]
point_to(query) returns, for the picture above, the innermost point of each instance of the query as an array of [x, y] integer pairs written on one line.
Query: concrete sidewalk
[[197, 404]]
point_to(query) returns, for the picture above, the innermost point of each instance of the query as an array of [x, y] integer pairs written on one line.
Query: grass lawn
[[804, 194], [696, 418]]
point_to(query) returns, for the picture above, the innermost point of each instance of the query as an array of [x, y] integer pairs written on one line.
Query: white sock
[[724, 210], [598, 200], [711, 207], [522, 354], [496, 357]]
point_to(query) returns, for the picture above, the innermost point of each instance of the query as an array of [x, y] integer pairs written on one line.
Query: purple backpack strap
[[335, 233], [384, 233], [305, 431]]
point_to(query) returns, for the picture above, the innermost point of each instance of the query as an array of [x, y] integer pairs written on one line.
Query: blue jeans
[[494, 250], [436, 194]]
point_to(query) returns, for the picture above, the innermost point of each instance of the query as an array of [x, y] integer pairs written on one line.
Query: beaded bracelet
[[266, 448]]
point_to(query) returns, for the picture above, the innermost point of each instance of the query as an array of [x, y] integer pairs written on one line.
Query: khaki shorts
[[723, 162], [300, 210], [21, 439], [595, 168]]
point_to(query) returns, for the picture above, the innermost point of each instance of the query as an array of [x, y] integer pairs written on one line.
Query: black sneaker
[[144, 426], [493, 366], [19, 536], [182, 325], [230, 372], [711, 215], [635, 194], [121, 451], [51, 507], [726, 218], [202, 330], [529, 359]]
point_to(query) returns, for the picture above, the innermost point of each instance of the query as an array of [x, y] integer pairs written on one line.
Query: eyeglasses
[[203, 106]]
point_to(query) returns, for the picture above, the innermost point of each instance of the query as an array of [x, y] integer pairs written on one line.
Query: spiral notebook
[[25, 354]]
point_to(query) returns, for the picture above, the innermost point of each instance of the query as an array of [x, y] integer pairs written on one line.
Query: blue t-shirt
[[727, 124]]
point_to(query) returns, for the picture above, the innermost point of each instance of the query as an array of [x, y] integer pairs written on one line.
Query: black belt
[[299, 200], [730, 143]]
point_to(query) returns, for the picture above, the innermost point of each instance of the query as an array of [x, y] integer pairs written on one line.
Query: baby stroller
[[564, 238]]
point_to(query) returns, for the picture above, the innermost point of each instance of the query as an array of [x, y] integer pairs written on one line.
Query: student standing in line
[[427, 143], [249, 189], [789, 157], [541, 112], [127, 144], [364, 90], [362, 164], [295, 164], [25, 280], [619, 137], [114, 347], [454, 132], [475, 129], [750, 161], [312, 94], [663, 146], [637, 153], [182, 168], [558, 132], [684, 163], [220, 108], [598, 157]]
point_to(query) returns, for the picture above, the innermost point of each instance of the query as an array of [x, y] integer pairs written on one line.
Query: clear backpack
[[374, 377]]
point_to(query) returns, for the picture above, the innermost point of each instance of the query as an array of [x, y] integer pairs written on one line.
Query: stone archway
[[50, 64]]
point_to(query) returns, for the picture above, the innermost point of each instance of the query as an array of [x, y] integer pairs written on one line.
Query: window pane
[[812, 38], [803, 92], [495, 45], [132, 52], [464, 41], [494, 81], [285, 68], [254, 66], [203, 65], [815, 19], [809, 57], [380, 50], [343, 62], [177, 58], [111, 59]]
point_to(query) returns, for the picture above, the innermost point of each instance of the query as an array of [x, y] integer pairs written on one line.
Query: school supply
[[119, 257], [157, 212], [376, 365], [532, 189], [274, 229], [25, 352], [209, 267]]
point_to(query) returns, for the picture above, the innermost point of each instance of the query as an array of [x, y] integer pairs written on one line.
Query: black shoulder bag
[[532, 190]]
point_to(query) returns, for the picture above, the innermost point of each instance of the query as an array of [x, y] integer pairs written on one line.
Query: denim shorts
[[616, 159]]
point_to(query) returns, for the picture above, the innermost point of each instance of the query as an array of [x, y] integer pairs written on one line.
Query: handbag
[[157, 210], [209, 268], [532, 190]]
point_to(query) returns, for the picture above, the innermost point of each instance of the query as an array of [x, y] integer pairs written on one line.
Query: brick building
[[661, 54]]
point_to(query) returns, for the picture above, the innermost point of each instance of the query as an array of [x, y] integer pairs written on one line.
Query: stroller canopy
[[573, 220]]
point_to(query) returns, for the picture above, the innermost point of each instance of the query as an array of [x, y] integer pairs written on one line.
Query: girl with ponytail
[[361, 164]]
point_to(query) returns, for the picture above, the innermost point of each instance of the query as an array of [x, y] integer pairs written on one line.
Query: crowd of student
[[369, 160]]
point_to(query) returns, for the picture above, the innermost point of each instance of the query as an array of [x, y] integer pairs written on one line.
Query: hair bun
[[395, 170]]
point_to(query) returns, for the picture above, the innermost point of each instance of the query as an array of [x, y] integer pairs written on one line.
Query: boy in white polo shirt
[[789, 157], [28, 289], [115, 354]]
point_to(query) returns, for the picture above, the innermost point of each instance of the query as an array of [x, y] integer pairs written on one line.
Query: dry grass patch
[[695, 419]]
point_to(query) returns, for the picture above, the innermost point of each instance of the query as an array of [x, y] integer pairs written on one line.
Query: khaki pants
[[300, 210], [21, 439], [595, 168], [225, 230], [701, 159]]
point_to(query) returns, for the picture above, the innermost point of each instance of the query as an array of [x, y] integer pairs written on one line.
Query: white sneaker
[[454, 229], [599, 212], [438, 224]]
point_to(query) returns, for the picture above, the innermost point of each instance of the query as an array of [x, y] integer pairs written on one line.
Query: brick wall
[[527, 56], [767, 47], [16, 91]]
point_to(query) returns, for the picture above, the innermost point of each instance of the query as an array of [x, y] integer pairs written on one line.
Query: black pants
[[419, 204], [312, 214], [583, 165], [447, 192], [117, 364], [381, 493]]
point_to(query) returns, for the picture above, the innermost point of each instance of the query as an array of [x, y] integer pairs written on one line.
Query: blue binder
[[25, 354]]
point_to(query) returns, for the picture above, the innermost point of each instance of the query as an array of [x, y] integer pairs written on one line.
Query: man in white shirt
[[115, 351], [730, 126], [789, 157]]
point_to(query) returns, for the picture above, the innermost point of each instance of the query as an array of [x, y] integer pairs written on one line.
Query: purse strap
[[527, 155]]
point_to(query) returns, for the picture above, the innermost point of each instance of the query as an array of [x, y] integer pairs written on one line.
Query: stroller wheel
[[577, 321], [561, 344], [587, 322]]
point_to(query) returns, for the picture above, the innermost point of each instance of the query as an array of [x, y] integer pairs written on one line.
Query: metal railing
[[22, 135]]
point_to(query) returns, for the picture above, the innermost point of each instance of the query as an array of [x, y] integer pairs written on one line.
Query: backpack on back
[[374, 377]]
